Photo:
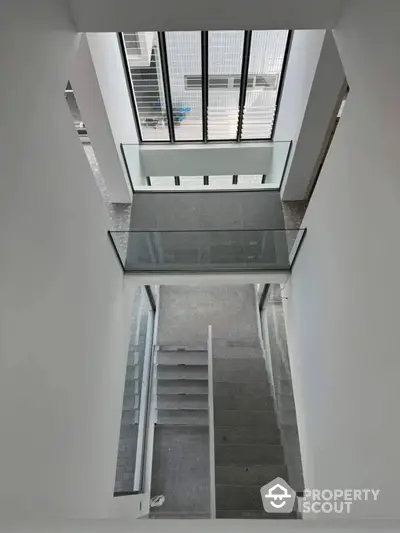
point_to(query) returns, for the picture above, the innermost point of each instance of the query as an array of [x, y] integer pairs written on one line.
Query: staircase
[[181, 440], [247, 442], [248, 450]]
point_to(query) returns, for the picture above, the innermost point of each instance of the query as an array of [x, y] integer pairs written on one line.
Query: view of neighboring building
[[223, 65]]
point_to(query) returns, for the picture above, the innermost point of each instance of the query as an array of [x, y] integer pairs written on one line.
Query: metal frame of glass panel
[[169, 116]]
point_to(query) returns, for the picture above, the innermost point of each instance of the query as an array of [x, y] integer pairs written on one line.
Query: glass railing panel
[[206, 251], [128, 477]]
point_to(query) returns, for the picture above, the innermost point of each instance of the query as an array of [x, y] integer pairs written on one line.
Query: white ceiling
[[145, 15]]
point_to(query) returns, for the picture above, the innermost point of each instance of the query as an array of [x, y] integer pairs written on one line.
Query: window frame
[[248, 81]]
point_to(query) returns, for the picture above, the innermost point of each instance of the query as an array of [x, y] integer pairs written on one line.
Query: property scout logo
[[278, 497]]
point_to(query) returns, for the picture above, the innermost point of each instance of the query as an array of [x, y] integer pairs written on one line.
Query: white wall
[[313, 84], [113, 83], [63, 337], [343, 307], [124, 15], [98, 80]]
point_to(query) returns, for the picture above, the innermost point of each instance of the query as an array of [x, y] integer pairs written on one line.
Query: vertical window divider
[[167, 88], [243, 81], [263, 179], [235, 180], [206, 180], [148, 181], [204, 77], [177, 180]]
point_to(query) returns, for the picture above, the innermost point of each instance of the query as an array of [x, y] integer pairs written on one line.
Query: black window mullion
[[177, 180], [243, 81], [167, 88], [204, 74], [206, 180], [263, 179], [235, 180], [148, 181]]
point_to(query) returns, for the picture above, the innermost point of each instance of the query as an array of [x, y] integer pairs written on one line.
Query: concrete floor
[[186, 312]]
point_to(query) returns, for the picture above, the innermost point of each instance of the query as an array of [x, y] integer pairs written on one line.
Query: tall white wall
[[63, 337], [343, 299], [313, 85], [98, 80]]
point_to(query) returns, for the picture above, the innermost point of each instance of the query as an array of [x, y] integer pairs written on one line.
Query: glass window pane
[[184, 61], [163, 183], [143, 57], [225, 51], [266, 61], [249, 180], [191, 182], [193, 82]]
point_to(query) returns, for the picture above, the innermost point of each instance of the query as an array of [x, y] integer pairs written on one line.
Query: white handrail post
[[211, 423]]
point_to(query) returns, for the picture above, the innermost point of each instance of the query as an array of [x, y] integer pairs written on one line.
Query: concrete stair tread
[[249, 475], [182, 372], [246, 455], [182, 401], [238, 497], [250, 370], [182, 348], [182, 358], [236, 417], [243, 396], [182, 386], [189, 417], [155, 514], [246, 435], [254, 515]]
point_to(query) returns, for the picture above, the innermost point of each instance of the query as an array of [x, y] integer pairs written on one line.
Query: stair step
[[182, 386], [183, 417], [255, 515], [182, 372], [241, 454], [246, 435], [236, 352], [240, 370], [154, 514], [182, 348], [182, 401], [242, 497], [244, 396], [249, 475], [182, 358], [234, 417]]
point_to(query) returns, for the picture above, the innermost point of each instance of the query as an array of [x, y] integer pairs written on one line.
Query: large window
[[205, 86]]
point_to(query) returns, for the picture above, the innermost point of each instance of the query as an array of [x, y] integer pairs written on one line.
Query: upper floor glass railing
[[207, 251]]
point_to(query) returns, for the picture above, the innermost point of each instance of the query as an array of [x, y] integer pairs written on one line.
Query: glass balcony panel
[[207, 251]]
